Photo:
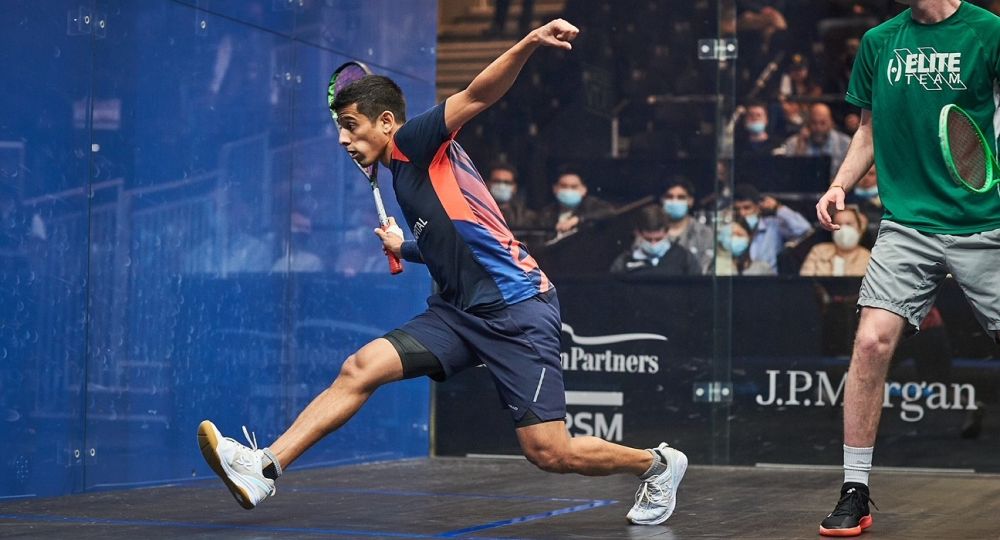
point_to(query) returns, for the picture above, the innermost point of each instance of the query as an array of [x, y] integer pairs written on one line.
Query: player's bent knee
[[358, 371], [550, 459]]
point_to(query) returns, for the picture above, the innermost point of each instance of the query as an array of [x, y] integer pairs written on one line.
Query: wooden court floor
[[500, 498]]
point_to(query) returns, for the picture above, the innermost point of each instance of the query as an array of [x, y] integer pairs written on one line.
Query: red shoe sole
[[854, 531]]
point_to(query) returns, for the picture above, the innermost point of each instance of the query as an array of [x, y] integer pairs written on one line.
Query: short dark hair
[[746, 192], [501, 166], [373, 95], [651, 218], [564, 170], [681, 182]]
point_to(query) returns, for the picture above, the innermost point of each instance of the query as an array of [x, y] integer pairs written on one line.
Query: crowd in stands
[[636, 63]]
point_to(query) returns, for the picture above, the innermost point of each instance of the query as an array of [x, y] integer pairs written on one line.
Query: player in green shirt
[[935, 53]]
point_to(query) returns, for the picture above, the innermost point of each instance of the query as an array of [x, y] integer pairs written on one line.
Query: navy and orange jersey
[[463, 239]]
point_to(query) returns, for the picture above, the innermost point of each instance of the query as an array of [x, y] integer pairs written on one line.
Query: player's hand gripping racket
[[345, 75], [968, 156]]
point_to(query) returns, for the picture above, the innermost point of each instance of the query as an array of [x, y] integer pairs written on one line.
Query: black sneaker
[[852, 515]]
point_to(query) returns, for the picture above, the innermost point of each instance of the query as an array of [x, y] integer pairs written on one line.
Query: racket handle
[[395, 265]]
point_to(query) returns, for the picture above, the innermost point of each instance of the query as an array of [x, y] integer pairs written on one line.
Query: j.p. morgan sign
[[792, 388]]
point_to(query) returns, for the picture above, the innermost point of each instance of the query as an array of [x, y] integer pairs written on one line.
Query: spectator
[[683, 229], [754, 139], [845, 256], [502, 182], [653, 253], [760, 29], [18, 227], [734, 257], [239, 249], [296, 256], [792, 120], [573, 206], [819, 138], [500, 17], [852, 121], [865, 196], [769, 223], [796, 82]]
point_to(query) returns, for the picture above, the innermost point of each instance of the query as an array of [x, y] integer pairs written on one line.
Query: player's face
[[363, 138]]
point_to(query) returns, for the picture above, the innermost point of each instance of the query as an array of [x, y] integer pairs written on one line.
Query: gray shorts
[[908, 266]]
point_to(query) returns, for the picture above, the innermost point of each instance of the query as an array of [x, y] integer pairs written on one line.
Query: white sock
[[857, 464]]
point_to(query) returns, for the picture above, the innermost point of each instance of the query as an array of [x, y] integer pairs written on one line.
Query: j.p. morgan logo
[[582, 355], [927, 67], [805, 389]]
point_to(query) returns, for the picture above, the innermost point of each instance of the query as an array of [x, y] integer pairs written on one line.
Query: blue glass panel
[[350, 298], [44, 160], [276, 16], [396, 36], [188, 258]]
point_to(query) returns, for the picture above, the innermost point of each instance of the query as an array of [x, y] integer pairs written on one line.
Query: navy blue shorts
[[519, 344]]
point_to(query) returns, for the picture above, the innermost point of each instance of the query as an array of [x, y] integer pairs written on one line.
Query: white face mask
[[846, 237]]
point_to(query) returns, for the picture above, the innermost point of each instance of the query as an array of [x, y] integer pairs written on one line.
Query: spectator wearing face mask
[[865, 196], [770, 223], [845, 256], [573, 205], [652, 252], [502, 182], [819, 138], [734, 255], [682, 228], [755, 139]]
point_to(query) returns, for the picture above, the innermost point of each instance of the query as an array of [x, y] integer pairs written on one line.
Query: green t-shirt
[[905, 73]]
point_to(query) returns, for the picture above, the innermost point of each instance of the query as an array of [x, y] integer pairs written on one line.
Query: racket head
[[966, 152], [346, 74]]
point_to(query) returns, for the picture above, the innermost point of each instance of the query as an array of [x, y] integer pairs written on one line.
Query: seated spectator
[[865, 196], [791, 121], [819, 138], [770, 223], [733, 257], [852, 121], [683, 229], [652, 252], [241, 249], [754, 139], [573, 205], [845, 256], [796, 82], [296, 256], [502, 182]]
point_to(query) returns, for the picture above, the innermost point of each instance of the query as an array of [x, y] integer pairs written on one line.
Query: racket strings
[[967, 152]]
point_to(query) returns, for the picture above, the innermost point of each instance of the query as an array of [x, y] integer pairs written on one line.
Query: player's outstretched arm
[[860, 157], [494, 81]]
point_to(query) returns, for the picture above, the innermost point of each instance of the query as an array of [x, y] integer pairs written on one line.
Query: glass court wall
[[183, 239]]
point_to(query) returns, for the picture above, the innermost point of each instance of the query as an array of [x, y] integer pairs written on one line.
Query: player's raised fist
[[557, 33]]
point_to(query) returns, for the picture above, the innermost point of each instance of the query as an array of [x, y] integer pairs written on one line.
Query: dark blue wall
[[159, 160]]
